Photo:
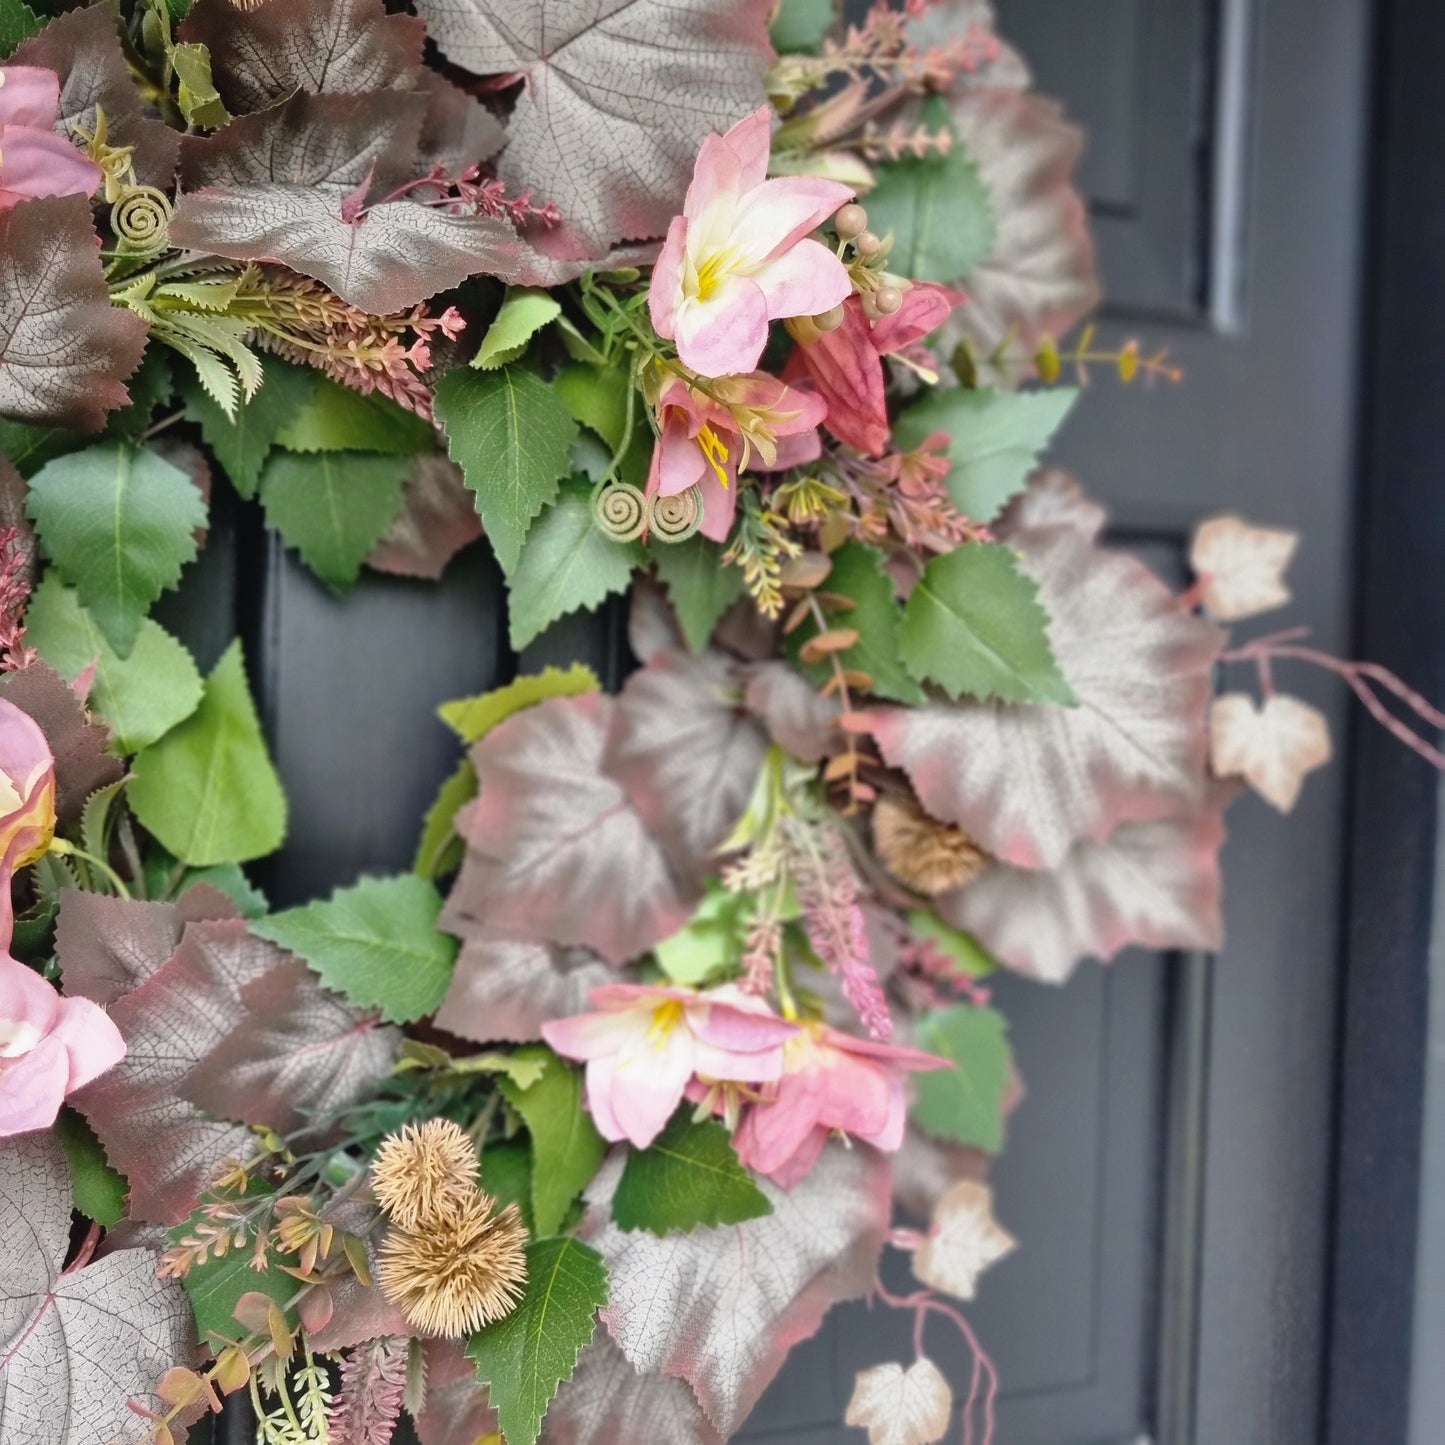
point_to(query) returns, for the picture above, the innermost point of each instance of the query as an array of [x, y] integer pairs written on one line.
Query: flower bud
[[832, 319], [887, 299], [851, 220], [867, 244]]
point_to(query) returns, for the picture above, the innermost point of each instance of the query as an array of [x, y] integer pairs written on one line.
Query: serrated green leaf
[[525, 311], [858, 574], [17, 22], [937, 208], [964, 1103], [119, 524], [333, 507], [440, 848], [699, 586], [598, 397], [242, 446], [974, 625], [30, 447], [375, 942], [152, 383], [196, 93], [524, 1358], [336, 419], [995, 439], [95, 818], [566, 1147], [972, 958], [510, 433], [472, 718], [97, 1190], [690, 1176], [141, 696], [507, 1175], [208, 790], [799, 25], [569, 564], [215, 1285], [522, 1070]]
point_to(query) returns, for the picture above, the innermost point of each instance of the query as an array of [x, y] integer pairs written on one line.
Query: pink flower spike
[[34, 161], [728, 266]]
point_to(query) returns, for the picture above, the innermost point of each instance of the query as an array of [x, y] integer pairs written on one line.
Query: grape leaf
[[334, 418], [607, 1402], [995, 438], [722, 1307], [964, 1103], [242, 443], [65, 351], [566, 1147], [699, 587], [141, 696], [689, 1176], [75, 1344], [472, 718], [511, 434], [556, 853], [633, 87], [936, 206], [1027, 782], [524, 1357], [376, 943], [973, 625], [119, 524], [438, 518], [333, 507], [858, 574], [208, 789]]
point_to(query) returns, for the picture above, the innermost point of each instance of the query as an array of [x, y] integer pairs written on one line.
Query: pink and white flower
[[645, 1044], [709, 431], [34, 161], [740, 255], [830, 1081]]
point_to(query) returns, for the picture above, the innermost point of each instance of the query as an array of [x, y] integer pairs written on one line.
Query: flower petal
[[41, 163], [727, 332], [29, 95], [32, 1088], [751, 140], [664, 294], [28, 1005], [805, 280], [776, 215], [90, 1038], [648, 1084]]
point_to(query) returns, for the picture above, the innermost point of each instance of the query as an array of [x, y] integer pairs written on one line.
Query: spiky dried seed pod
[[421, 1174], [919, 851], [457, 1274]]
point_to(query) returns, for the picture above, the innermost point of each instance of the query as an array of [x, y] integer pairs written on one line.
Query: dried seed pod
[[919, 851]]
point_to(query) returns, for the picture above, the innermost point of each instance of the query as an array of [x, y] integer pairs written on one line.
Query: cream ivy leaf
[[556, 851], [901, 1407], [1152, 884], [963, 1240], [1271, 747], [75, 1344], [618, 96], [721, 1308], [1241, 568], [1027, 782]]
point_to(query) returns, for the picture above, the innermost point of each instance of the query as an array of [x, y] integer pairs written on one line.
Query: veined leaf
[[964, 1103], [243, 442], [337, 419], [525, 311], [699, 586], [472, 718], [17, 22]]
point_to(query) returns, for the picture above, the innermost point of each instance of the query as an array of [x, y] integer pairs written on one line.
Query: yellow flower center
[[665, 1018], [715, 450], [710, 273]]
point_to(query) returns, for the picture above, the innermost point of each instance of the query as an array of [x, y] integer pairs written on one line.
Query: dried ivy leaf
[[265, 53], [900, 1406], [618, 97], [75, 1344], [1153, 884], [556, 852], [438, 518], [65, 351], [1027, 782], [722, 1307]]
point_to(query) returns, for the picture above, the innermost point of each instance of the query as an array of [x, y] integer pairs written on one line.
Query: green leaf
[[995, 438], [141, 696], [974, 625], [152, 383], [215, 1285], [964, 1103], [511, 434], [97, 1190], [17, 22], [208, 790], [376, 942], [699, 586], [713, 939], [507, 1175], [972, 958], [569, 564], [439, 850], [523, 1071], [336, 419], [598, 397], [119, 524], [566, 1147], [937, 208], [333, 507], [472, 718], [523, 1358], [196, 93], [242, 446], [858, 574], [689, 1176], [525, 311], [799, 25], [30, 447]]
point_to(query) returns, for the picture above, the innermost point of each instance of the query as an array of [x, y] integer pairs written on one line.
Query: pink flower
[[845, 363], [34, 161], [644, 1045], [712, 430], [830, 1081], [739, 256]]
